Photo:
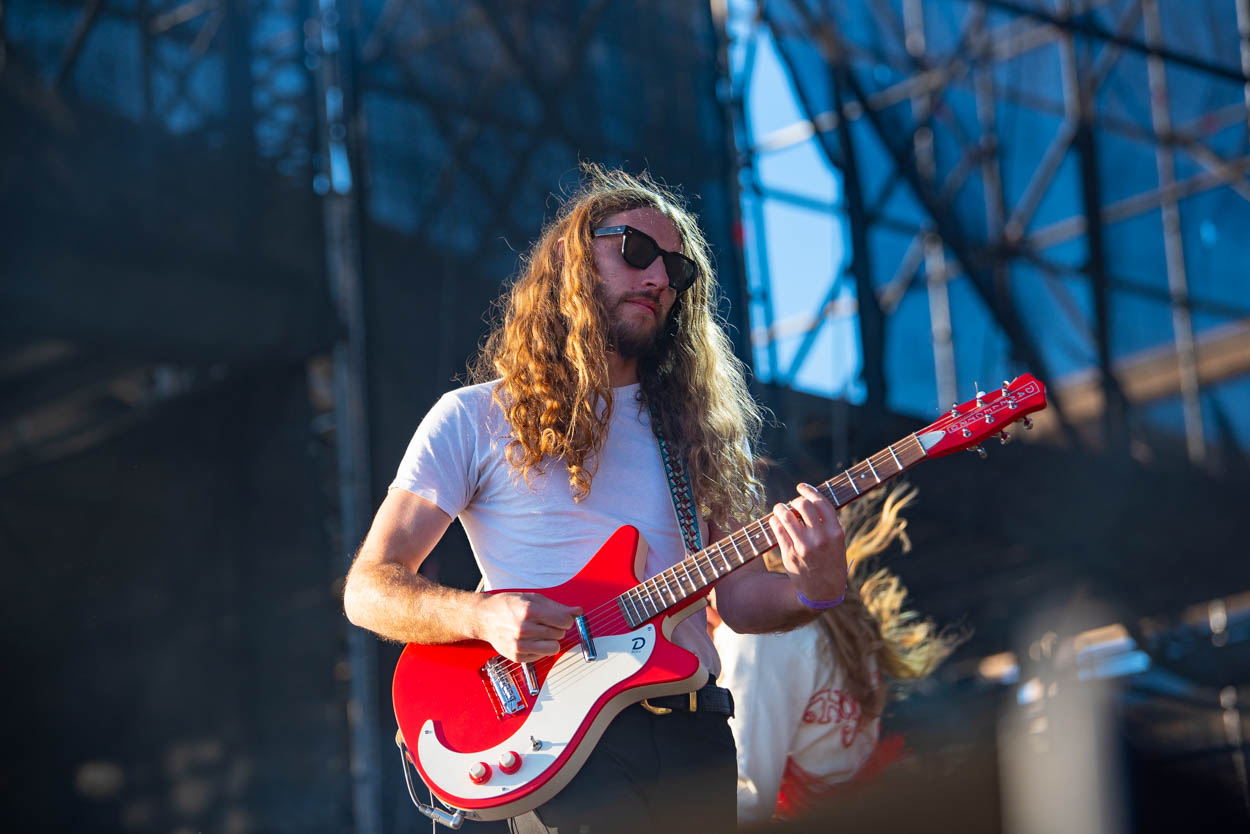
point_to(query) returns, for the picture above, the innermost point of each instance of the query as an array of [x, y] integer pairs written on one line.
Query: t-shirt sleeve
[[770, 677], [441, 462]]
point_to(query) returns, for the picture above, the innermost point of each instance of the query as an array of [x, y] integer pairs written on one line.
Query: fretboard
[[699, 570]]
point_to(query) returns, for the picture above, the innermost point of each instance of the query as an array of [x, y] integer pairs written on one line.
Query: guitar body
[[452, 718]]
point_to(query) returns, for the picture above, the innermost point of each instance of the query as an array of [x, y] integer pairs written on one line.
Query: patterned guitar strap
[[679, 487], [688, 521]]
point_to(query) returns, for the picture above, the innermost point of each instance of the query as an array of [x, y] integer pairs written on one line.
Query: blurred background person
[[809, 701]]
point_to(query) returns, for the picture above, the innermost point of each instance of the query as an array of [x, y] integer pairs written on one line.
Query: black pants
[[649, 773]]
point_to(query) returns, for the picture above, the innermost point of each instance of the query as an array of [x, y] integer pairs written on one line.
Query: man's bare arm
[[385, 594], [751, 600]]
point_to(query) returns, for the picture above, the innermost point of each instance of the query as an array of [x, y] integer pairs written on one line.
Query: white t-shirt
[[534, 535], [794, 720]]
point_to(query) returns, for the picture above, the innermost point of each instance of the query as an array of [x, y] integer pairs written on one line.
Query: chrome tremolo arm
[[451, 820]]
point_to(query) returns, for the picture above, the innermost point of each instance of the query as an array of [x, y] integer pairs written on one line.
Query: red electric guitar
[[493, 738]]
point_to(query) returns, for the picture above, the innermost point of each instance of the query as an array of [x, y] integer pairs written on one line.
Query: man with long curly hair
[[609, 337]]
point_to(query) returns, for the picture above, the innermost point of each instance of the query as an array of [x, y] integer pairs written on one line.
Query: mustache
[[653, 297]]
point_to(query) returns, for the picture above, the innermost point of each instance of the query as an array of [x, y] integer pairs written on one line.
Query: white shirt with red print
[[797, 730]]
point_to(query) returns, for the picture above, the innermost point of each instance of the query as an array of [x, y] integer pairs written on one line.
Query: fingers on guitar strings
[[817, 517]]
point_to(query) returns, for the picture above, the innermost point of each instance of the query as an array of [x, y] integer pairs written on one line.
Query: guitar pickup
[[531, 680], [588, 642]]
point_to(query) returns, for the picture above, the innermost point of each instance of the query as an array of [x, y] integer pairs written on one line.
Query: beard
[[630, 339]]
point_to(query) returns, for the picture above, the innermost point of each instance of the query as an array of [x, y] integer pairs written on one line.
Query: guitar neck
[[696, 572]]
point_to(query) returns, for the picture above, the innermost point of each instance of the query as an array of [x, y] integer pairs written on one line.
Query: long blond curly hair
[[870, 634], [549, 350]]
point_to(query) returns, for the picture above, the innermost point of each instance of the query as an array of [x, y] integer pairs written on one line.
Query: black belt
[[711, 698]]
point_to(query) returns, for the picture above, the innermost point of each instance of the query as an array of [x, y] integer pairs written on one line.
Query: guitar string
[[661, 582], [619, 619], [577, 671], [571, 674], [564, 673], [607, 627], [657, 586], [597, 622]]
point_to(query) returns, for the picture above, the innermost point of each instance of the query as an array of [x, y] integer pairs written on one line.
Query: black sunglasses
[[639, 250]]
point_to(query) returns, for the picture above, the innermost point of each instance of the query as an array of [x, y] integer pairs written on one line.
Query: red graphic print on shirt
[[833, 706]]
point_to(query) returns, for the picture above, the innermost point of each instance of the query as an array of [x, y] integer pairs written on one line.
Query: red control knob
[[509, 762], [479, 773]]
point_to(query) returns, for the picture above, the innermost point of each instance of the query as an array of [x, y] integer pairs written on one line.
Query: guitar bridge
[[497, 675]]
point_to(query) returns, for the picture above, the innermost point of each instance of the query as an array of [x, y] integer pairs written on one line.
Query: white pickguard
[[568, 693]]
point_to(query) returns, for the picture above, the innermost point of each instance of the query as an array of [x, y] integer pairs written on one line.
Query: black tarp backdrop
[[171, 627], [176, 547]]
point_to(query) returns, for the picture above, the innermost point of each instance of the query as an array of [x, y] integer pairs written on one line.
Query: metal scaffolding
[[992, 159]]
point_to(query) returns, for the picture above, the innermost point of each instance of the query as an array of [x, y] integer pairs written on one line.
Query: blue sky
[[805, 247]]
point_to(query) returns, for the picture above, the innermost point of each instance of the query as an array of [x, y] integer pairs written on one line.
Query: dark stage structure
[[247, 243]]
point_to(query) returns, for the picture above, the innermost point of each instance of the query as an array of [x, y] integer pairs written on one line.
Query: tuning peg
[[1004, 438], [980, 394], [980, 450], [954, 409], [1028, 424], [1006, 385]]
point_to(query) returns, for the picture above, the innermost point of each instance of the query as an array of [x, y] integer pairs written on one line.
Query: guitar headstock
[[969, 425]]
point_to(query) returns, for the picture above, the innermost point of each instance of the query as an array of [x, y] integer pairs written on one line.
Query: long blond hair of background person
[[872, 624]]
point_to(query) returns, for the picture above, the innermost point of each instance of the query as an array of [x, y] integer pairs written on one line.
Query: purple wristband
[[821, 604]]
